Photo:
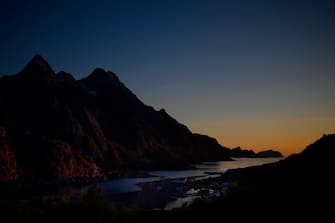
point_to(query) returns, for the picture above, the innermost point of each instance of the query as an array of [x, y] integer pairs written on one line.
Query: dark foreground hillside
[[300, 186]]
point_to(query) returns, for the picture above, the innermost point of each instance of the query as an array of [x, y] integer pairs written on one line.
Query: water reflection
[[124, 185], [205, 168], [223, 166], [154, 196], [180, 202]]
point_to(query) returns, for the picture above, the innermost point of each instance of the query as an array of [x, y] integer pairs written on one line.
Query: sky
[[256, 74]]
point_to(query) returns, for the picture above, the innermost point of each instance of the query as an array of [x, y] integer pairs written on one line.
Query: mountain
[[269, 153], [238, 152], [55, 126]]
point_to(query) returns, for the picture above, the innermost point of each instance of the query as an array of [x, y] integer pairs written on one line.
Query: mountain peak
[[98, 70], [101, 74], [38, 58], [38, 69], [38, 62]]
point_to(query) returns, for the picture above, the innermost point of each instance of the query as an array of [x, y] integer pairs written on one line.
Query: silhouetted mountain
[[269, 153], [96, 121], [37, 71], [238, 152]]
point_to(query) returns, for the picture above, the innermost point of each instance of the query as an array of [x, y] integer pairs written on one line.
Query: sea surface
[[129, 191]]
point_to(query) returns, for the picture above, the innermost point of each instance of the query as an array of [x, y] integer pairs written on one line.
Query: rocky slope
[[7, 158], [33, 157]]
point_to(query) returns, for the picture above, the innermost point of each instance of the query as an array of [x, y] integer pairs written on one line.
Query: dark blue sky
[[251, 73]]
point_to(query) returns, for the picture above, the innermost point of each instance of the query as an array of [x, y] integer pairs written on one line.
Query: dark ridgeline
[[55, 126]]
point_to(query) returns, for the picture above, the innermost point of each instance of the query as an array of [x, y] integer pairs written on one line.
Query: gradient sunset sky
[[255, 74]]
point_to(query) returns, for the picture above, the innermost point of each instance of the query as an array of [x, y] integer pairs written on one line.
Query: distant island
[[53, 127], [238, 152]]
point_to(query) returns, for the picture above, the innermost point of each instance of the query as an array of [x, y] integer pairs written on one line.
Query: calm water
[[220, 167], [124, 185], [154, 196], [164, 190], [202, 172]]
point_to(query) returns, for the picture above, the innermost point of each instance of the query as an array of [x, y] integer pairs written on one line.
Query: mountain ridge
[[96, 120]]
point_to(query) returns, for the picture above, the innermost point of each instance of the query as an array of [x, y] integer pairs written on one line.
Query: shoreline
[[159, 194]]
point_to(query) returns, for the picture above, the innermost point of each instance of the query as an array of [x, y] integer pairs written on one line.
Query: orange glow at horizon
[[287, 135]]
